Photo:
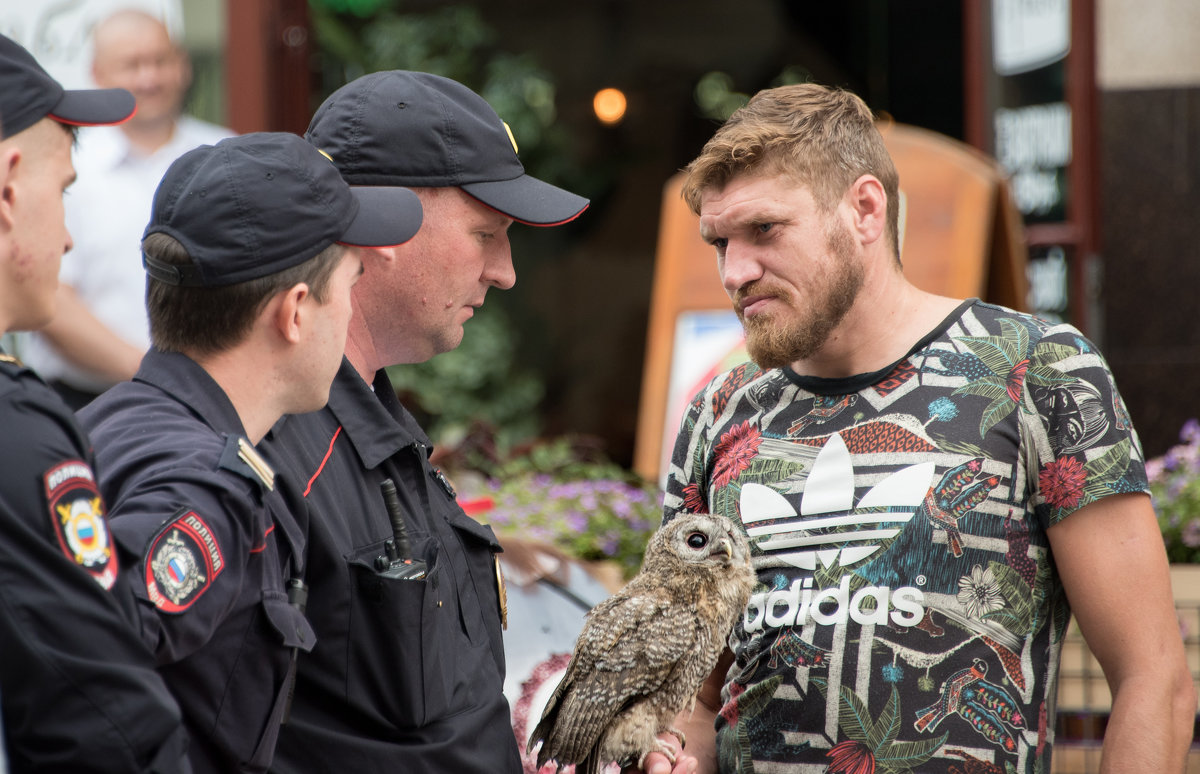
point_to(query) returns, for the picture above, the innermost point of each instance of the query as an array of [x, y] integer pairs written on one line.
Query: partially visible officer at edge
[[409, 673], [80, 691], [248, 297]]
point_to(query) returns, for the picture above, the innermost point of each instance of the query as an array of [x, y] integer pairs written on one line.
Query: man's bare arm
[[1113, 566], [88, 343]]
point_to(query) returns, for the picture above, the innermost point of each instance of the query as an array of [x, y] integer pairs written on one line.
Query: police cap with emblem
[[407, 128], [28, 94], [260, 203]]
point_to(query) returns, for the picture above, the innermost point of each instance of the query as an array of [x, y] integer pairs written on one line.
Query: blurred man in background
[[99, 334]]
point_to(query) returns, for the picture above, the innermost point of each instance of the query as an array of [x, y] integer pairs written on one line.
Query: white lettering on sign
[[1033, 143], [1047, 295]]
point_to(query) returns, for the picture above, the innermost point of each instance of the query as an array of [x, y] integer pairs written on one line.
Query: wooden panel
[[947, 191], [267, 71]]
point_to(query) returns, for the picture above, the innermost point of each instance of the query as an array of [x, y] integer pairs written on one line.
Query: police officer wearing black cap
[[79, 687], [409, 672], [248, 297]]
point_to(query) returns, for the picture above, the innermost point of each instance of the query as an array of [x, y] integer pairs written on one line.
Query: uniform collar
[[376, 423], [184, 380]]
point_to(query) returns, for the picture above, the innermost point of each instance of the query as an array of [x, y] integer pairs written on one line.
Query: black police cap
[[28, 94], [260, 203], [417, 129]]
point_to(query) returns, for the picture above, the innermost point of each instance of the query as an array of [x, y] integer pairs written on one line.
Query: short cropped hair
[[824, 138], [205, 320]]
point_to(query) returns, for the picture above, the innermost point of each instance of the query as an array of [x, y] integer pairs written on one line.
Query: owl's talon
[[663, 748], [680, 735]]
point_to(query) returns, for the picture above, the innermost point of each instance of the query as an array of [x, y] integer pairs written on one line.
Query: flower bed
[[1175, 490]]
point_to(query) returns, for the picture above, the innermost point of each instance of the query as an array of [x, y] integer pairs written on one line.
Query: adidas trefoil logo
[[830, 527]]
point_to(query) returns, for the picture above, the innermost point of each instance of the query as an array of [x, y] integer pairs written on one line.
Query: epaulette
[[12, 368], [242, 458]]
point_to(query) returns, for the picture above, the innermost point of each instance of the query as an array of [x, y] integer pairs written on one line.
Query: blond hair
[[820, 137]]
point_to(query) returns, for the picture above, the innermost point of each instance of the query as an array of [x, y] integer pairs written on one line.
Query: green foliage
[[356, 7], [480, 383], [1175, 490], [454, 41], [717, 98]]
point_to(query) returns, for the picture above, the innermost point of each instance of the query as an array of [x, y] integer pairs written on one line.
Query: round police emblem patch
[[183, 561], [77, 512]]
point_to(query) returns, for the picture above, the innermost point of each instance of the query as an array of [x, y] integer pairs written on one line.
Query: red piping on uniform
[[259, 550], [325, 459]]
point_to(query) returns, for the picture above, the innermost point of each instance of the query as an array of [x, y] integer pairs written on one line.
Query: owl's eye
[[697, 540]]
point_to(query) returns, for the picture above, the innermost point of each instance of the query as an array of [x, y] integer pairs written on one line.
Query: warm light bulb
[[609, 105]]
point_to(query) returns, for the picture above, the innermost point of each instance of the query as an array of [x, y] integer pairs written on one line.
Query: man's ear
[[10, 160], [289, 312], [868, 201]]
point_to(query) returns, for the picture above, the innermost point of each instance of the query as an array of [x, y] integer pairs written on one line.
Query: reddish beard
[[775, 340]]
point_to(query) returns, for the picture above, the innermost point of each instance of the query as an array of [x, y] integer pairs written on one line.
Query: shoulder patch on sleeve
[[77, 512], [183, 561], [242, 458]]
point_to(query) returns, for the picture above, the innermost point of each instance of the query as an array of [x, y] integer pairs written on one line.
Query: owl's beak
[[724, 546]]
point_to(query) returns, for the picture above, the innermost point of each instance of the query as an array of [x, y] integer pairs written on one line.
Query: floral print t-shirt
[[908, 615]]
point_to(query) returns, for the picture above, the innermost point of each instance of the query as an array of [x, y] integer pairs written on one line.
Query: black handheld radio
[[397, 561]]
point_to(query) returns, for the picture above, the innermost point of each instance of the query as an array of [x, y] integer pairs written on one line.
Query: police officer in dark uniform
[[409, 671], [80, 691], [248, 298]]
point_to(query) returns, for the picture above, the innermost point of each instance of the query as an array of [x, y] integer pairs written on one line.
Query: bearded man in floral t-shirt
[[931, 487]]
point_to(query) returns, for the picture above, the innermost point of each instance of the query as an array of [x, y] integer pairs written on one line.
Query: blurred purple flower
[[603, 518], [1190, 535], [1174, 479]]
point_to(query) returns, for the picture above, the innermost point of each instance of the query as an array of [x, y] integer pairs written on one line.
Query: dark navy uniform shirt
[[80, 690], [408, 674], [211, 544]]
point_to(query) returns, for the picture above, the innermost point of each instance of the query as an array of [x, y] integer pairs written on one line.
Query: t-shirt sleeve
[[1085, 445]]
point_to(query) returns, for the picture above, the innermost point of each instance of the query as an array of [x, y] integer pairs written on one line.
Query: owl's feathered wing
[[644, 652], [630, 647]]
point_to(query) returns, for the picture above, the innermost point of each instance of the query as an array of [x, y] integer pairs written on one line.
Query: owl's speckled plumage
[[644, 652]]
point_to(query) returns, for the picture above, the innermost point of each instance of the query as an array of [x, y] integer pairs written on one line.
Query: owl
[[644, 652]]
